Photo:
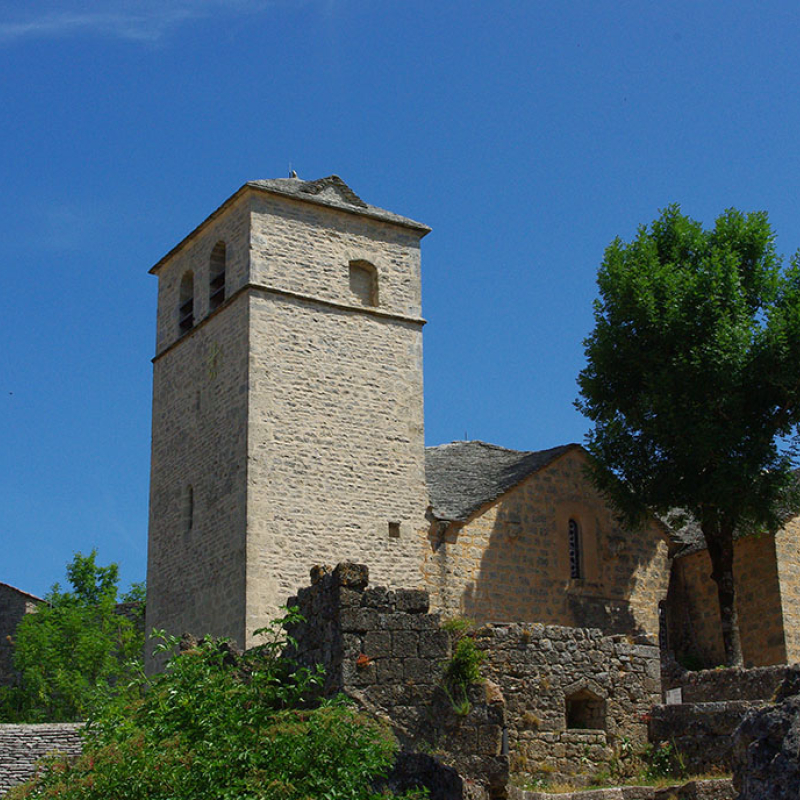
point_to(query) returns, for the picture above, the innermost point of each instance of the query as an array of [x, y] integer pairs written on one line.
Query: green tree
[[221, 726], [693, 382], [75, 647]]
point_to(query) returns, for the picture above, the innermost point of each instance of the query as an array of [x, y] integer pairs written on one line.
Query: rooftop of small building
[[331, 192], [20, 591], [464, 476]]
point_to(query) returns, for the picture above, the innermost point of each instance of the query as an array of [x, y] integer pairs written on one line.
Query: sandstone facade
[[288, 421], [509, 560], [767, 572]]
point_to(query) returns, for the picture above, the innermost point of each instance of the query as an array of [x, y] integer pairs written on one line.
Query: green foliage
[[693, 376], [462, 670], [74, 649], [222, 727]]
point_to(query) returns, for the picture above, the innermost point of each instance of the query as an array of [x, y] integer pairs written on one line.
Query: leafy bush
[[218, 727], [74, 647], [463, 668]]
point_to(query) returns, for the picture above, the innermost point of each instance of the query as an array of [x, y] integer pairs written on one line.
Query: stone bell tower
[[287, 404]]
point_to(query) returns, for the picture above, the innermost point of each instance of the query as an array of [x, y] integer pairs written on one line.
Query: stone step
[[717, 789]]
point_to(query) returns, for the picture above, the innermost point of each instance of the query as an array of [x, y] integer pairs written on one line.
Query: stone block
[[390, 670], [405, 644], [434, 644], [356, 576], [378, 644], [359, 620], [412, 601], [419, 670]]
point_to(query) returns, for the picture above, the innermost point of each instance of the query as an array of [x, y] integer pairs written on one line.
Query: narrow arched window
[[186, 305], [216, 277], [574, 533], [364, 283], [188, 509]]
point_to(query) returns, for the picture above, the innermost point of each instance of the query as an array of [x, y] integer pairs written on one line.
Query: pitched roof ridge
[[21, 591]]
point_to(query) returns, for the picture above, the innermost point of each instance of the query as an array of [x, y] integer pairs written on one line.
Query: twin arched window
[[216, 289]]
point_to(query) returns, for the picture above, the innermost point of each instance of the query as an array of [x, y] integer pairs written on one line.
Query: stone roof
[[335, 193], [463, 476]]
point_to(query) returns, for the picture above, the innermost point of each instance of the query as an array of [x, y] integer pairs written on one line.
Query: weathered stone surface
[[766, 748], [21, 746], [288, 422], [702, 732]]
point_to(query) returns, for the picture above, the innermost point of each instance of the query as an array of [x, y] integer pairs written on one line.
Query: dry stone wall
[[22, 746], [571, 694], [384, 649]]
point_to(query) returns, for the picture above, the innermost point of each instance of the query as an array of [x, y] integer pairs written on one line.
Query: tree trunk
[[719, 539]]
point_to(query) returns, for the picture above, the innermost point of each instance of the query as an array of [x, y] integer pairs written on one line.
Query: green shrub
[[75, 648], [462, 671], [218, 728]]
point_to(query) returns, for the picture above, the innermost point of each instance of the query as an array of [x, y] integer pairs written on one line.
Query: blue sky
[[526, 134]]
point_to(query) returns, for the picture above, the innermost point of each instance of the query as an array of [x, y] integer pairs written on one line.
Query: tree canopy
[[693, 381], [75, 647]]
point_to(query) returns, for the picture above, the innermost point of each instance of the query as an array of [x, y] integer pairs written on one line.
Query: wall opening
[[575, 555], [394, 530], [216, 277], [585, 710], [186, 304], [364, 283], [188, 509]]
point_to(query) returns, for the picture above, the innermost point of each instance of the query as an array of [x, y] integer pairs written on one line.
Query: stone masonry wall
[[562, 694], [335, 422], [787, 552], [14, 605], [545, 672], [713, 685], [196, 568], [510, 562], [21, 746], [385, 650], [293, 412], [695, 633]]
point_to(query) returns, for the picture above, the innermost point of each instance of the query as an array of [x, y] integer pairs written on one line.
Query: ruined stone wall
[[14, 605], [21, 746], [383, 648], [570, 693], [510, 562], [787, 551], [562, 694], [695, 633], [712, 685]]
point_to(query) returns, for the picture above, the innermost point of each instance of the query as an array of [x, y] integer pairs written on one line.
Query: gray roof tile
[[463, 476]]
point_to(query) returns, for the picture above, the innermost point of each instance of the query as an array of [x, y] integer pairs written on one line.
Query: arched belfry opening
[[216, 277], [186, 303], [585, 710]]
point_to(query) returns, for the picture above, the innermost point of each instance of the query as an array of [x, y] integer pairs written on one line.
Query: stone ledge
[[719, 789]]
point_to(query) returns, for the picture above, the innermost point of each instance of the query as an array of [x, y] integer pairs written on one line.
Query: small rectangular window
[[394, 530]]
